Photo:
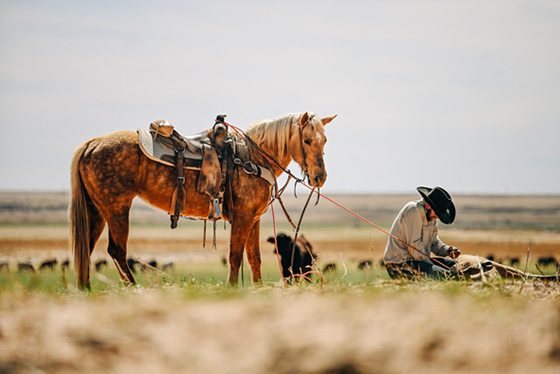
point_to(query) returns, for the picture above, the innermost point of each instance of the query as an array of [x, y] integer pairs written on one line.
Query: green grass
[[184, 275], [209, 280]]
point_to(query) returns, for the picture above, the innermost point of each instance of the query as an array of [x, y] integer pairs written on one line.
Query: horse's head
[[306, 147]]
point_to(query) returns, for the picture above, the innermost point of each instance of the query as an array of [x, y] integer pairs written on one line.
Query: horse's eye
[[307, 141]]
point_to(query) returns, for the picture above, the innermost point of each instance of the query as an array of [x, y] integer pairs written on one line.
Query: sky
[[460, 94]]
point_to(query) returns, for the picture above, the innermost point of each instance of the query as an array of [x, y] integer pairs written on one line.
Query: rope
[[276, 244], [298, 180], [374, 225], [263, 153]]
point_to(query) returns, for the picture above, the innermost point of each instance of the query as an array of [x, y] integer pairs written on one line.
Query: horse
[[109, 171]]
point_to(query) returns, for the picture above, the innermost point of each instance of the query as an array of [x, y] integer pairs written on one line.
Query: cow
[[48, 264], [513, 261], [296, 260], [100, 264], [330, 267], [132, 264], [365, 264], [167, 266], [4, 265], [26, 266], [547, 261]]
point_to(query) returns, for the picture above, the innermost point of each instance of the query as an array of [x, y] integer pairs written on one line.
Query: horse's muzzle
[[318, 180]]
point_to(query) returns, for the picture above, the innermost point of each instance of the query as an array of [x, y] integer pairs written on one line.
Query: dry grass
[[380, 328]]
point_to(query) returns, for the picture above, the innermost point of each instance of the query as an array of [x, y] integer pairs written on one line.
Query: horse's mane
[[275, 133]]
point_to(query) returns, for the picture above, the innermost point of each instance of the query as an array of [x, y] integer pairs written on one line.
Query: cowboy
[[414, 236]]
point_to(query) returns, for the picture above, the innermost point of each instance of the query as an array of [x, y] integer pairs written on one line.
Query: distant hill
[[473, 211]]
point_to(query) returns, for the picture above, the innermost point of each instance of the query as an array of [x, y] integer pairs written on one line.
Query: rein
[[268, 157], [272, 160]]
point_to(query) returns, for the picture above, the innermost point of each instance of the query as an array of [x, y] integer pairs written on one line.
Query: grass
[[210, 278]]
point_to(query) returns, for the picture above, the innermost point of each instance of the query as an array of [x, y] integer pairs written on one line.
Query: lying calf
[[473, 267]]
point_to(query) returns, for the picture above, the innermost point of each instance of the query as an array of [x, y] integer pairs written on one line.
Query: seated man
[[415, 235]]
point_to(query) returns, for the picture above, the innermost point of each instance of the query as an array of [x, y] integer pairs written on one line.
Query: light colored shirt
[[412, 227]]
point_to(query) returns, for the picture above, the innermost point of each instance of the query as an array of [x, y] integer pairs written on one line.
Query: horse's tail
[[79, 222]]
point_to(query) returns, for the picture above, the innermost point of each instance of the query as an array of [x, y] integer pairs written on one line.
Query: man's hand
[[454, 252]]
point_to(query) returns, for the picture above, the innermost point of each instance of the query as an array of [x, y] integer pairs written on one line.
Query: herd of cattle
[[298, 261], [51, 264]]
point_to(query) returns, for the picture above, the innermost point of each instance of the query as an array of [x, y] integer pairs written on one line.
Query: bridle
[[304, 158]]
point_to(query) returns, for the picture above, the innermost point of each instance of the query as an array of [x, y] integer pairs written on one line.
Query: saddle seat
[[161, 141]]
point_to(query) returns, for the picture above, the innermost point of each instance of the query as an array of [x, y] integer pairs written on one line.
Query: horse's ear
[[328, 119], [304, 120]]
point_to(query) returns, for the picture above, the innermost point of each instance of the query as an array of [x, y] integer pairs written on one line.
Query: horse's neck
[[274, 154], [283, 159]]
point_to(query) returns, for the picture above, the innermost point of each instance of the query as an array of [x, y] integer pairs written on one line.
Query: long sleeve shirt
[[412, 227]]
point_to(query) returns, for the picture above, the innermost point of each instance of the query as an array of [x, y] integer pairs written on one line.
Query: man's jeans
[[436, 268]]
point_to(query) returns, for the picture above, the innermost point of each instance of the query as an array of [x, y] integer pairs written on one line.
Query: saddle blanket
[[158, 152]]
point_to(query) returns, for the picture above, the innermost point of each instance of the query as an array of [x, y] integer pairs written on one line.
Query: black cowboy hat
[[440, 201]]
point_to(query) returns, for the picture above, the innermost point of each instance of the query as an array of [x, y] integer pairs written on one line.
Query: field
[[185, 320]]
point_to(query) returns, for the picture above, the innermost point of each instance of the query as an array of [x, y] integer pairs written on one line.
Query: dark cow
[[48, 264], [365, 264], [547, 261], [26, 266], [4, 265], [301, 255], [330, 267], [100, 264], [167, 266], [132, 264]]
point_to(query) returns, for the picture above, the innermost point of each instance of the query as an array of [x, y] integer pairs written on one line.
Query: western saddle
[[214, 152]]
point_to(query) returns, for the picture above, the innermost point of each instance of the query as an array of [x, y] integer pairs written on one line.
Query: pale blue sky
[[462, 94]]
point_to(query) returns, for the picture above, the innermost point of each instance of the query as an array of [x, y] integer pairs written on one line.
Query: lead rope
[[276, 244], [377, 227], [299, 225]]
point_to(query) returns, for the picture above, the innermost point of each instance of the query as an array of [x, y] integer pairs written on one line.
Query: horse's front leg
[[254, 252], [240, 229]]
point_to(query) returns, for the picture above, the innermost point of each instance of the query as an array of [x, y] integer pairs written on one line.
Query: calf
[[295, 260], [473, 267]]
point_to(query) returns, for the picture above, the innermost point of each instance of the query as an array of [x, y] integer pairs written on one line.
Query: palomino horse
[[108, 172]]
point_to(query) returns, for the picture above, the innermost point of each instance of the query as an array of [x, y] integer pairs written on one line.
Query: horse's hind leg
[[96, 226], [240, 229], [254, 252], [118, 237]]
